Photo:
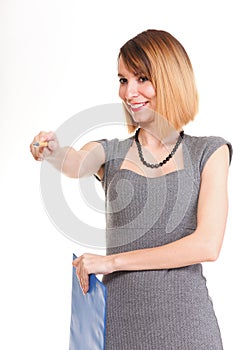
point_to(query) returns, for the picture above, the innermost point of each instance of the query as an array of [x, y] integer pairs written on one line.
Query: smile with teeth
[[136, 106]]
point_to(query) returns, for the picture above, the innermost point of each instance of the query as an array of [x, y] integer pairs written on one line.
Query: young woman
[[166, 203]]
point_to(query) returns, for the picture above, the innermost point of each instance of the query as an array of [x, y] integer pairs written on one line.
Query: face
[[137, 93]]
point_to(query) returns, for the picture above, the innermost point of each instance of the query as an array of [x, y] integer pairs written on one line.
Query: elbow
[[209, 244], [213, 256], [212, 251]]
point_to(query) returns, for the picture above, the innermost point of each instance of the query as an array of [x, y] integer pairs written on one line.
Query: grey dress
[[156, 309]]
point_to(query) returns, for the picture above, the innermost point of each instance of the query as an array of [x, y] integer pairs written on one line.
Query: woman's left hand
[[87, 264]]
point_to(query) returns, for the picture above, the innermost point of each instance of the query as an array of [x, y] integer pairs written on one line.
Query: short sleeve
[[211, 144]]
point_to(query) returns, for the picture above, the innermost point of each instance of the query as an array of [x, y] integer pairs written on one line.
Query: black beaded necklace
[[157, 165]]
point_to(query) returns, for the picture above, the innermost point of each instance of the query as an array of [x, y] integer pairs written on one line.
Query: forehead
[[123, 69], [122, 66]]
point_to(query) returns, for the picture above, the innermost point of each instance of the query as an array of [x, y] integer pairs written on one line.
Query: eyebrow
[[136, 74]]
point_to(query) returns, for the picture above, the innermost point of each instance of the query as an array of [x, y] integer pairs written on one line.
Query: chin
[[144, 116]]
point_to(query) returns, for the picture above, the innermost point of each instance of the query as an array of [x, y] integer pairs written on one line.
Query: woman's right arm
[[75, 164]]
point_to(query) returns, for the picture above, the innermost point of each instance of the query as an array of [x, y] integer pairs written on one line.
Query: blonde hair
[[163, 60]]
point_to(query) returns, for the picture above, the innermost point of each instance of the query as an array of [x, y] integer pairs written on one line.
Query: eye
[[123, 80], [142, 79]]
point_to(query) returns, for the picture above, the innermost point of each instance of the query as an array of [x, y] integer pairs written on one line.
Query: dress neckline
[[136, 174]]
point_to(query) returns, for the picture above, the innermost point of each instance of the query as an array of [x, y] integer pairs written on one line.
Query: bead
[[156, 165]]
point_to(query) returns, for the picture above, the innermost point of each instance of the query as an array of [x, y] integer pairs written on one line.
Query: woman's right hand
[[41, 153]]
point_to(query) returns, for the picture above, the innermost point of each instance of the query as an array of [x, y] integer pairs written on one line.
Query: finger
[[81, 281], [76, 261], [34, 151], [83, 278], [37, 154], [43, 138], [84, 282], [39, 150], [43, 135], [51, 139], [46, 152], [48, 136], [40, 157], [52, 145]]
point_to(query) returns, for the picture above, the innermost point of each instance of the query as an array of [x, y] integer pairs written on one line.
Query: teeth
[[138, 105]]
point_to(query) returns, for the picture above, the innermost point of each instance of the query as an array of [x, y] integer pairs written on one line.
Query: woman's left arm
[[204, 244]]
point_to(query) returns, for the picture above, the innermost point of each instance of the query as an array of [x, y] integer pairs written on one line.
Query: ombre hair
[[163, 60]]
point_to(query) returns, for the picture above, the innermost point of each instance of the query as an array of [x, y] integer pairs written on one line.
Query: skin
[[204, 244], [135, 90]]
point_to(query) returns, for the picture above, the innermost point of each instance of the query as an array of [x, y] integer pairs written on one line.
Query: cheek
[[151, 95], [121, 92], [150, 92]]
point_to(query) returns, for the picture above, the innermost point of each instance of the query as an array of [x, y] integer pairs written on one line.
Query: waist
[[122, 240], [188, 275]]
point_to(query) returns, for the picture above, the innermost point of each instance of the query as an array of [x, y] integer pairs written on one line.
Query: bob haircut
[[161, 58]]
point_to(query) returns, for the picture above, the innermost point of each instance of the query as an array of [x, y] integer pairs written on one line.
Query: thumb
[[53, 145]]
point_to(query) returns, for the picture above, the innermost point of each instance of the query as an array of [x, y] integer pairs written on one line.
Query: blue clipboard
[[88, 315]]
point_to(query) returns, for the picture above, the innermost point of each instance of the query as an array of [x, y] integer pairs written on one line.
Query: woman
[[165, 211]]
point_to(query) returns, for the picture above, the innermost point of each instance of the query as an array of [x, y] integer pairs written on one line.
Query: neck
[[147, 138]]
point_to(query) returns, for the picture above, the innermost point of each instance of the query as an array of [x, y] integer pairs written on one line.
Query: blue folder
[[88, 315]]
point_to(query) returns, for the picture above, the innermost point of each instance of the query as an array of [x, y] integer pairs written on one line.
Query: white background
[[58, 58]]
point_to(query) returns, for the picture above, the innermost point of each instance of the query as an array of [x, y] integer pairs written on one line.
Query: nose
[[131, 90]]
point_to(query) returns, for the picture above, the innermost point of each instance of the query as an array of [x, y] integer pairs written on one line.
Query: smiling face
[[170, 90], [137, 93]]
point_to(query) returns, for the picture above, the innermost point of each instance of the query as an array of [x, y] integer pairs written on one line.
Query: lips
[[137, 106]]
